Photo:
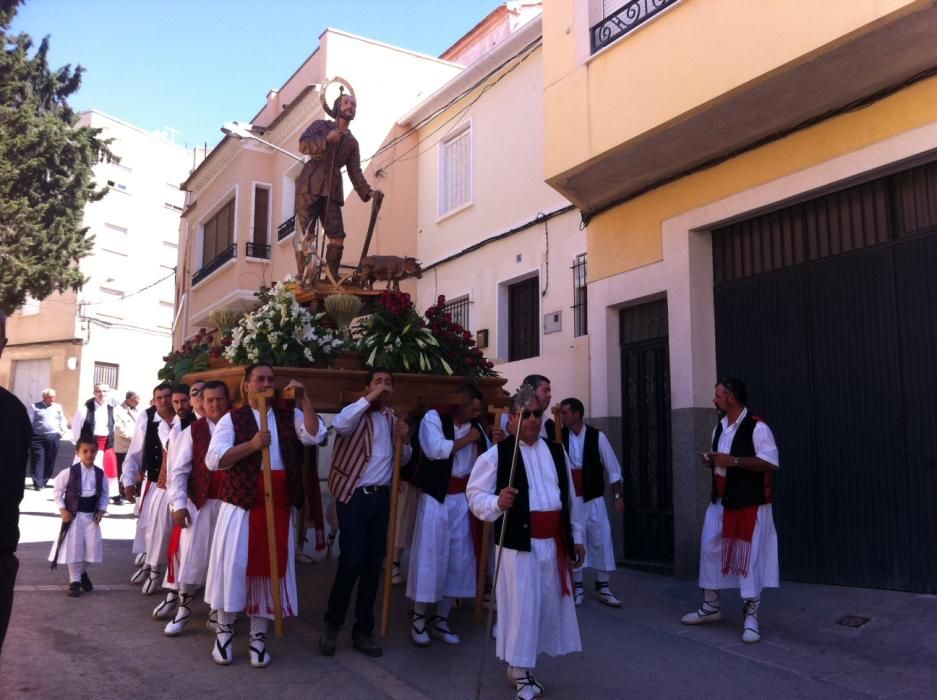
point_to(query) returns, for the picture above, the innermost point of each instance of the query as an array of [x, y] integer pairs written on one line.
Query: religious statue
[[330, 146]]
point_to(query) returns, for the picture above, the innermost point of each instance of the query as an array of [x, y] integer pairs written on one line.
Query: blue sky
[[145, 59]]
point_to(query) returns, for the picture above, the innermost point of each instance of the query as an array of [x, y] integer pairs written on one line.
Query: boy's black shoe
[[74, 589], [366, 645], [86, 585]]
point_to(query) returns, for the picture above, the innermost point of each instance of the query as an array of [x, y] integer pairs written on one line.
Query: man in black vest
[[592, 460], [442, 563], [13, 460], [542, 539], [144, 459], [543, 396], [739, 545]]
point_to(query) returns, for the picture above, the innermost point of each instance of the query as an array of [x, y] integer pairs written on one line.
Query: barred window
[[106, 373], [580, 297], [459, 308], [455, 171]]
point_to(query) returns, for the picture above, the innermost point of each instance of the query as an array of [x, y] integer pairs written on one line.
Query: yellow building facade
[[765, 162]]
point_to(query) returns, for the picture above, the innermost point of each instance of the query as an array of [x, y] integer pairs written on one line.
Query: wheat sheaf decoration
[[343, 309]]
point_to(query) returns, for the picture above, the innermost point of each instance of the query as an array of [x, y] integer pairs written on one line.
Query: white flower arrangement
[[283, 332]]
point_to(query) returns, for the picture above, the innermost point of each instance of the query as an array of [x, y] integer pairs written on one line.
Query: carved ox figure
[[387, 267]]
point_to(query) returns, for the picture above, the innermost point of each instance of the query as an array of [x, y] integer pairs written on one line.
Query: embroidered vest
[[240, 484], [73, 487], [351, 454], [164, 467], [200, 477], [433, 474], [152, 447], [517, 535], [87, 428], [744, 488], [593, 473]]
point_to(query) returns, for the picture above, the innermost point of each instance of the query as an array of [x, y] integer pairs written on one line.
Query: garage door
[[828, 308], [30, 377]]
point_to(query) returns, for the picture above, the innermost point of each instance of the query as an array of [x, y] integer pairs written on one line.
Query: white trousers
[[442, 558], [763, 568]]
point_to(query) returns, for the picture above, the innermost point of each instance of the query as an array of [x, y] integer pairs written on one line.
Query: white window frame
[[443, 207]]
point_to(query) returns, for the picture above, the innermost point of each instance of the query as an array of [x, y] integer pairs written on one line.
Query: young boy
[[80, 493]]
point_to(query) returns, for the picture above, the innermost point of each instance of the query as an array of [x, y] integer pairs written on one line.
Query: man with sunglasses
[[739, 545], [543, 537]]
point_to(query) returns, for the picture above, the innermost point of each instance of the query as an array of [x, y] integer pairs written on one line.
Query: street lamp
[[243, 132]]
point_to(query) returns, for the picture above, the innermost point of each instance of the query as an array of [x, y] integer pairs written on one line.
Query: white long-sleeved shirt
[[543, 488], [435, 445], [606, 454], [133, 462], [180, 466], [379, 468], [88, 486], [222, 438], [100, 420], [765, 446]]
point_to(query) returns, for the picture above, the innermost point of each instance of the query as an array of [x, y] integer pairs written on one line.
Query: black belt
[[87, 504], [368, 490]]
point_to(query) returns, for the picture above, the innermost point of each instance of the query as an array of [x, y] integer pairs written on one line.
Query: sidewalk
[[105, 645]]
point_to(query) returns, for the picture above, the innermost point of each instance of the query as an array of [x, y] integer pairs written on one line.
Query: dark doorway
[[646, 458]]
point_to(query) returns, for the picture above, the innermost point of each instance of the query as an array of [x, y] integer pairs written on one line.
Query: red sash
[[548, 525], [738, 529], [577, 481], [457, 484], [172, 553], [109, 460], [258, 554]]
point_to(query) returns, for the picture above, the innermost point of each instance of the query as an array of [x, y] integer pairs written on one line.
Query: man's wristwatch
[[617, 496], [736, 461]]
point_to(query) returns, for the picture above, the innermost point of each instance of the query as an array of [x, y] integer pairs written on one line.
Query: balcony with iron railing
[[624, 20], [257, 250], [286, 228], [224, 256]]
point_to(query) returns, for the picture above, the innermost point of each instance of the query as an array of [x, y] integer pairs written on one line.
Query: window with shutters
[[259, 245], [218, 234], [455, 172]]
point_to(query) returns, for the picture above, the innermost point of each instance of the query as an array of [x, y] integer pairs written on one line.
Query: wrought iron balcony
[[257, 250], [626, 19], [223, 257], [286, 228]]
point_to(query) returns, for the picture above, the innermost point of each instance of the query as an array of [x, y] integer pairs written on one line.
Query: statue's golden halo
[[344, 87]]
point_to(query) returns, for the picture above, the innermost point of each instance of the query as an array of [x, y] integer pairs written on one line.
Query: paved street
[[105, 645]]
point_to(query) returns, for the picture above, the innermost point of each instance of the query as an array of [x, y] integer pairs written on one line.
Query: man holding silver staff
[[526, 487]]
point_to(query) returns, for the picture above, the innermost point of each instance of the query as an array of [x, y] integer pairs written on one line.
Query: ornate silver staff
[[523, 397]]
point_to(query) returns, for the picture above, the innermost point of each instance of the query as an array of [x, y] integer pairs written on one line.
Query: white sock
[[419, 608], [577, 575], [259, 625], [444, 606], [75, 571], [226, 618], [710, 600]]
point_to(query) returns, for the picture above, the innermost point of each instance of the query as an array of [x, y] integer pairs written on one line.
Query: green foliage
[[46, 173], [394, 337]]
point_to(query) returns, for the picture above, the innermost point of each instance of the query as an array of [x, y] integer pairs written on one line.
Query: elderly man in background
[[95, 420], [49, 425], [125, 421]]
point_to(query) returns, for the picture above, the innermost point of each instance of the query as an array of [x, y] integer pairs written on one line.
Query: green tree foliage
[[45, 171]]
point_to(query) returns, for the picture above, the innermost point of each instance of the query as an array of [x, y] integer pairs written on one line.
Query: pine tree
[[46, 173]]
